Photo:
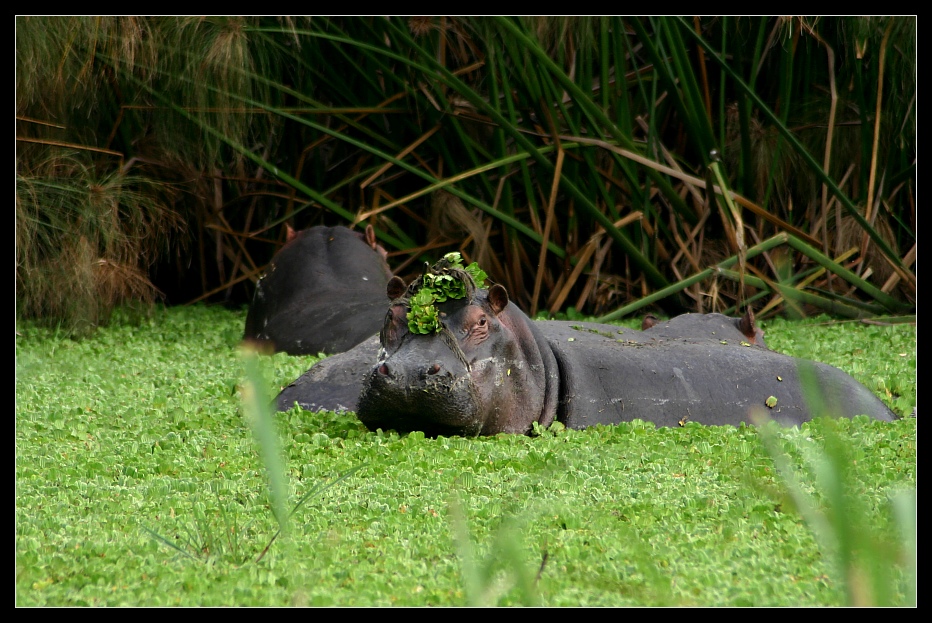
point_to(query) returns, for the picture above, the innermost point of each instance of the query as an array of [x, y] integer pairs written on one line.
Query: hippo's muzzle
[[423, 387]]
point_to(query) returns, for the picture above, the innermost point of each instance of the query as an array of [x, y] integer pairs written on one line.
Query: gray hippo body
[[712, 326], [323, 292], [493, 370]]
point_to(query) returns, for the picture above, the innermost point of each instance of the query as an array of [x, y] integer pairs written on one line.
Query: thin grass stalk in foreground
[[905, 511], [483, 583], [257, 410], [161, 539], [317, 490], [864, 563]]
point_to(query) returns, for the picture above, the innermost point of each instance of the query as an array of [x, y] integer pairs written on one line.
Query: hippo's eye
[[482, 321]]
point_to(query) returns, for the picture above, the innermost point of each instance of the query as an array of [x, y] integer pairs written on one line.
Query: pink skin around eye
[[475, 327]]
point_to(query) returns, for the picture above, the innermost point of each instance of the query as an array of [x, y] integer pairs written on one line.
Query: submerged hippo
[[483, 367], [323, 292], [712, 326]]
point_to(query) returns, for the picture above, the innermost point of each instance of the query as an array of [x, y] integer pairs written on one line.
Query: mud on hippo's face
[[472, 377]]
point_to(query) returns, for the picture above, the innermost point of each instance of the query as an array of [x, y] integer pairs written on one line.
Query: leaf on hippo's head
[[444, 287], [455, 260], [445, 280], [423, 317], [478, 275]]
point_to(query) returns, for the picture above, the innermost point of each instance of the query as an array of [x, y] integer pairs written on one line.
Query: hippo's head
[[475, 366]]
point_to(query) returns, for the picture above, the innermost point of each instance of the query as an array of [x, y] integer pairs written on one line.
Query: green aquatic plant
[[423, 316], [447, 279]]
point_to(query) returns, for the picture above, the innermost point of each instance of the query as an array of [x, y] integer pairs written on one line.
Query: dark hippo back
[[323, 292]]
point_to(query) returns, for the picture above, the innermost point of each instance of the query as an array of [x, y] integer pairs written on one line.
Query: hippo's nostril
[[434, 369]]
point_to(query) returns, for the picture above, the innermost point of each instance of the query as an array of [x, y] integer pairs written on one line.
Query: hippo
[[477, 365], [712, 326], [323, 292]]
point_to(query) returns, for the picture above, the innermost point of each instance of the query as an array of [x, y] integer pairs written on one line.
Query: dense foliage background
[[595, 164]]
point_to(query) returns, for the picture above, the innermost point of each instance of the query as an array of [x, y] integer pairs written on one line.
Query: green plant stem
[[621, 312]]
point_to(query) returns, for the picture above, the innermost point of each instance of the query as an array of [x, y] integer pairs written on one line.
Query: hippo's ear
[[746, 325], [649, 321], [370, 237], [396, 287], [290, 233], [498, 298]]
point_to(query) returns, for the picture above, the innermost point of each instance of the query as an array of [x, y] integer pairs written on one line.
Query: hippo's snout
[[398, 372], [431, 394]]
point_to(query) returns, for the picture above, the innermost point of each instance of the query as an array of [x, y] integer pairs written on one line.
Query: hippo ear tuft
[[370, 237], [649, 321], [498, 298], [290, 233], [396, 288], [746, 325]]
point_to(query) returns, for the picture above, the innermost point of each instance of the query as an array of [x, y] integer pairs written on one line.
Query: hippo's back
[[323, 292]]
